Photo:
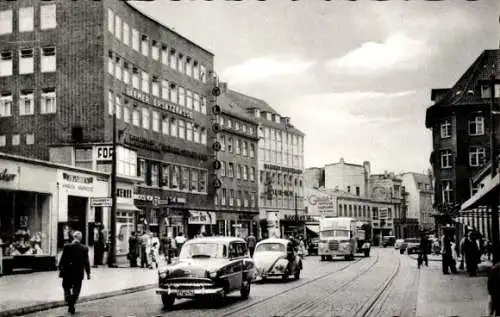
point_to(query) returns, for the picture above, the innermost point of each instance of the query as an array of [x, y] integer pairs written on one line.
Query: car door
[[291, 256], [247, 263], [235, 270]]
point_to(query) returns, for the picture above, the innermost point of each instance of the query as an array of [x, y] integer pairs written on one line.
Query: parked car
[[313, 246], [412, 245], [208, 266], [398, 243], [276, 258]]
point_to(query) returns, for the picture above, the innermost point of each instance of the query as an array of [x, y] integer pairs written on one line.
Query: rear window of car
[[270, 247]]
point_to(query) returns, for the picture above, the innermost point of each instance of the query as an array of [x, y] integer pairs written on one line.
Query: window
[[245, 148], [446, 191], [118, 27], [135, 40], [111, 64], [30, 138], [135, 77], [185, 179], [155, 50], [26, 106], [238, 171], [164, 55], [164, 90], [446, 156], [231, 197], [6, 64], [223, 168], [174, 176], [224, 196], [156, 121], [154, 174], [196, 71], [477, 156], [238, 146], [189, 67], [182, 132], [26, 61], [173, 127], [230, 145], [48, 101], [136, 118], [245, 172], [180, 63], [194, 180], [118, 107], [173, 60], [126, 73], [173, 93], [446, 129], [252, 174], [236, 125], [196, 133], [145, 45], [155, 86], [476, 126], [222, 141], [203, 107], [203, 74], [15, 139], [6, 105], [203, 136], [189, 99], [238, 198], [252, 150], [126, 114], [231, 170], [189, 131], [118, 68], [5, 22], [145, 119], [26, 19], [196, 102], [164, 126], [111, 102], [3, 140], [485, 91], [182, 96], [141, 168], [165, 176], [111, 21], [126, 34], [48, 60], [145, 82]]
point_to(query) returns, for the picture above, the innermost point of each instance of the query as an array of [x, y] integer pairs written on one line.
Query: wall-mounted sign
[[78, 179], [77, 182], [100, 202], [6, 177], [201, 217], [156, 102], [153, 198], [307, 218], [104, 153]]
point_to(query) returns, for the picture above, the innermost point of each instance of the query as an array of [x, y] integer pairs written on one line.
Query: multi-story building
[[352, 178], [280, 164], [460, 133], [419, 196], [67, 67], [236, 199]]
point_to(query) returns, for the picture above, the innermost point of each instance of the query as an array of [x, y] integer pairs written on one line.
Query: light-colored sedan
[[398, 243], [276, 258]]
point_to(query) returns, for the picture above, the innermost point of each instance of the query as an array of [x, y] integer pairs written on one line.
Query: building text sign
[[104, 153], [5, 176], [100, 202]]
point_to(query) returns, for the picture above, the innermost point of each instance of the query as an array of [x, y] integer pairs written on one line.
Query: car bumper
[[189, 292]]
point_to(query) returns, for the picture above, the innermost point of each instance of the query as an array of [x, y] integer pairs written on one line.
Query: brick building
[[65, 67]]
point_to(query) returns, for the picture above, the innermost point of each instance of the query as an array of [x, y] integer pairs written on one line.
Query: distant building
[[314, 177], [419, 198], [352, 178]]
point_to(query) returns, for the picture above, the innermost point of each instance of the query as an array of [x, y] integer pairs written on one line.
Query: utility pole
[[494, 196], [296, 214], [112, 231]]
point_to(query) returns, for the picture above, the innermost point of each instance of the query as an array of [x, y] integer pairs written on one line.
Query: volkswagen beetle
[[208, 266], [276, 258]]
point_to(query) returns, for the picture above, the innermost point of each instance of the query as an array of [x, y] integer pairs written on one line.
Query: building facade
[[67, 67], [314, 177], [419, 199], [348, 177], [461, 133], [236, 199]]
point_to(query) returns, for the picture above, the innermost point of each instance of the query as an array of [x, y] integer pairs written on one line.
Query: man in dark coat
[[133, 249], [73, 265], [423, 249], [472, 253]]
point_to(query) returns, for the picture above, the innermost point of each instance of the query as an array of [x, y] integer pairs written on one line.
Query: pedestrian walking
[[448, 263], [133, 249], [252, 241], [494, 290], [423, 250], [472, 254], [143, 243], [73, 265]]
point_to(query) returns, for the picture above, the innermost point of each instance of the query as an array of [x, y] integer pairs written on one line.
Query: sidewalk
[[450, 295], [26, 293]]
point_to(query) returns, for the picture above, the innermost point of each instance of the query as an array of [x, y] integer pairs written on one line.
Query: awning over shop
[[480, 197], [313, 228], [127, 207]]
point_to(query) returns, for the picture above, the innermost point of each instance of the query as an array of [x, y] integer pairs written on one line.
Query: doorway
[[77, 215]]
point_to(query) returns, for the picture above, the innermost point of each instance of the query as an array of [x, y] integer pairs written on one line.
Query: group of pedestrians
[[147, 248]]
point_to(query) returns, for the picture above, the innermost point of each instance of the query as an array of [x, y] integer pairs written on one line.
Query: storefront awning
[[127, 207], [480, 198], [313, 228]]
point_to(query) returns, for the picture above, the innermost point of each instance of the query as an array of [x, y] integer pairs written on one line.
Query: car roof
[[216, 239], [274, 240]]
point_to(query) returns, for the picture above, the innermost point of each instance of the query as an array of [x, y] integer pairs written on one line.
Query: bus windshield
[[334, 233]]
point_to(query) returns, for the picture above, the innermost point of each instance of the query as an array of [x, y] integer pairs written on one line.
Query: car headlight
[[163, 274], [211, 274]]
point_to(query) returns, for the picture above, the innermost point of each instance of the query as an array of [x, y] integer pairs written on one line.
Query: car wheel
[[296, 275], [245, 289], [167, 300]]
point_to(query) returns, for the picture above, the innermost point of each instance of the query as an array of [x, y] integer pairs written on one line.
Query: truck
[[338, 236]]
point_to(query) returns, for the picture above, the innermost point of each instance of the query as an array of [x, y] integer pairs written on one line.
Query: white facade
[[351, 178], [419, 198]]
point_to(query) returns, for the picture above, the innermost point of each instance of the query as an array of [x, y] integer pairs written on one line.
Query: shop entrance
[[77, 214]]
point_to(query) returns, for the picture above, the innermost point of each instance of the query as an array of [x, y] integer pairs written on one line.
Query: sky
[[354, 76]]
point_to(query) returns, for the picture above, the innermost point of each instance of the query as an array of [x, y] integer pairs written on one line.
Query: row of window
[[278, 140], [173, 176], [154, 85], [477, 156], [240, 172], [25, 19], [236, 146], [282, 158], [363, 211], [288, 202], [155, 121], [476, 127], [236, 198], [278, 178], [26, 102], [16, 139], [237, 125], [154, 49], [26, 61]]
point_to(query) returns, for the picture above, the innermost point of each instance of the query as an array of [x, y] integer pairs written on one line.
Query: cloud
[[398, 51], [258, 69]]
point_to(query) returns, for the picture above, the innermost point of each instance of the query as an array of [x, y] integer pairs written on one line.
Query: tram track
[[264, 300]]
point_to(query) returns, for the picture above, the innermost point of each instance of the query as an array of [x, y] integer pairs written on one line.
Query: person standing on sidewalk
[[423, 250], [448, 263], [472, 254], [144, 241], [494, 290], [133, 253], [73, 265]]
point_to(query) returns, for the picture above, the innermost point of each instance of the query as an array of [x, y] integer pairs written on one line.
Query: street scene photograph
[[267, 158]]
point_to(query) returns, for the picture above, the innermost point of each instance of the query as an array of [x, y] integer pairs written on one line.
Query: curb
[[88, 298]]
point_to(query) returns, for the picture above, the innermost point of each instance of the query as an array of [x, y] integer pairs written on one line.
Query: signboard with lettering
[[156, 102], [5, 176], [100, 202], [201, 217], [104, 153]]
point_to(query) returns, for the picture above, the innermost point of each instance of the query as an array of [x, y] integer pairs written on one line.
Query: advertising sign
[[104, 153], [100, 202]]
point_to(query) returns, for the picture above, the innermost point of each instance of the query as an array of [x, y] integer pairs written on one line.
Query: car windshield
[[200, 250], [270, 247], [334, 233]]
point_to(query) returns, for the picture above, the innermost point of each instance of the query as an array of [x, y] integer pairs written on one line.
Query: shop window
[[26, 61], [126, 34], [196, 133], [5, 105], [156, 121], [83, 158], [174, 176], [145, 45], [48, 101], [135, 40], [118, 27], [184, 178], [26, 103], [164, 126], [189, 131], [164, 55], [26, 19], [155, 50], [202, 181], [5, 64], [145, 119], [145, 82], [136, 121], [194, 180], [111, 21], [30, 139], [182, 132], [48, 60], [3, 140], [5, 22]]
